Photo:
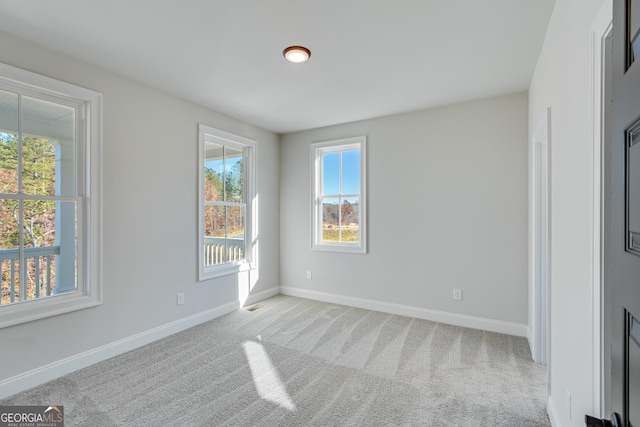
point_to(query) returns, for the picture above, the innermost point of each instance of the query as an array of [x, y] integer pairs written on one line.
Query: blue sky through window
[[218, 165], [350, 172]]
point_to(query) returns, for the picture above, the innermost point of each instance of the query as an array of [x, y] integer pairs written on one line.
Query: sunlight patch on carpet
[[265, 377]]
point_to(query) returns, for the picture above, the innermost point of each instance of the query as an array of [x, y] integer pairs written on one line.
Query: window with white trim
[[226, 193], [339, 196], [49, 196]]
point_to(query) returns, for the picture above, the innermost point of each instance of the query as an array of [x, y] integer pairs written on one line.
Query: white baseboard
[[410, 311], [65, 366], [529, 337], [259, 296], [532, 344], [553, 413]]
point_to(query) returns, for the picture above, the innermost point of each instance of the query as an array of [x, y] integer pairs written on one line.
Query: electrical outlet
[[457, 294], [181, 298], [309, 275]]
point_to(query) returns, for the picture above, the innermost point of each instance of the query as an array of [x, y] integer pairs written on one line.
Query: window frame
[[88, 194], [317, 149], [248, 147]]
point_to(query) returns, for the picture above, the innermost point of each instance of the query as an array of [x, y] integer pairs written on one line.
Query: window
[[225, 242], [339, 205], [49, 196]]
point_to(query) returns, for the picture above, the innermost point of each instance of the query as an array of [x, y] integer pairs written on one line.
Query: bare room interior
[[405, 226]]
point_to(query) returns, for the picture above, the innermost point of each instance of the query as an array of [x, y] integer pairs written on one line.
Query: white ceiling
[[369, 58]]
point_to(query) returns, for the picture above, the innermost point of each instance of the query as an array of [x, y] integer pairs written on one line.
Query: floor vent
[[253, 307]]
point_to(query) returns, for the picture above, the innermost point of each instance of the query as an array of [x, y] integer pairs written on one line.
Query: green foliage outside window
[[38, 178], [38, 216]]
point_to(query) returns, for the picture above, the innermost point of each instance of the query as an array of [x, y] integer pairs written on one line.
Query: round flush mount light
[[296, 54]]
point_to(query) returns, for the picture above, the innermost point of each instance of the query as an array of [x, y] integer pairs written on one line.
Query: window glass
[[331, 173], [38, 247], [44, 249], [48, 148], [9, 142], [338, 199], [225, 230], [351, 172]]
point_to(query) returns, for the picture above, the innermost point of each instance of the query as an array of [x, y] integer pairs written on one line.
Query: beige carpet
[[297, 362]]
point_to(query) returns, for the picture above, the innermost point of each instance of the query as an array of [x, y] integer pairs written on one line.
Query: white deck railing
[[41, 272], [216, 252]]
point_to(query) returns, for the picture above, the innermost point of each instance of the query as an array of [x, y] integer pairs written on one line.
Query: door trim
[[600, 30], [541, 242]]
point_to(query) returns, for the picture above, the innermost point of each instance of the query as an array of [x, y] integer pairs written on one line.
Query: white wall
[[447, 204], [563, 82], [149, 216]]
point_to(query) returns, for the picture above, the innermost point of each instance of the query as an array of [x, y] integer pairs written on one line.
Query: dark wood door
[[623, 281]]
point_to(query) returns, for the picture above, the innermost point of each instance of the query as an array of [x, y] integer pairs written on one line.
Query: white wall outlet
[[457, 294], [181, 298], [309, 275]]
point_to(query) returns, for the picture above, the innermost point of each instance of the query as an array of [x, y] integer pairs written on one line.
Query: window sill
[[344, 248], [225, 270], [28, 311]]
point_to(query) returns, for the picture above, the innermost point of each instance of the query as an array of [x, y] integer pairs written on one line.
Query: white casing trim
[[553, 413], [599, 31]]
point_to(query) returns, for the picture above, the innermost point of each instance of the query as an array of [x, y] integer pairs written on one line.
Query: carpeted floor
[[297, 362]]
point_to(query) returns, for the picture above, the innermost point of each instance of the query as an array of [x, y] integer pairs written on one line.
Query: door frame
[[540, 250], [600, 30]]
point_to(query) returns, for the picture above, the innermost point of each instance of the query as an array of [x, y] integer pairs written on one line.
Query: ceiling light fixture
[[296, 54]]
